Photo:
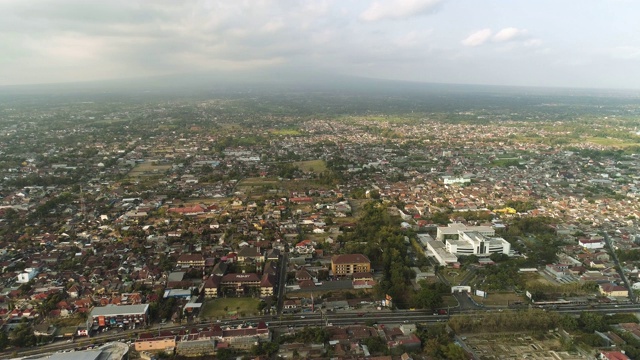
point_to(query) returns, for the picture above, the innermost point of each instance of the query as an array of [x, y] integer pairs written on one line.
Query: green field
[[228, 307], [289, 132], [611, 142], [147, 169], [315, 166]]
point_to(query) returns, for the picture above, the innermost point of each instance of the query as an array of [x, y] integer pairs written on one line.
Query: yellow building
[[348, 264], [163, 343]]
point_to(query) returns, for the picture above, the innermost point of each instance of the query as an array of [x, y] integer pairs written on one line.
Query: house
[[304, 247], [303, 274], [347, 264], [272, 254], [613, 355], [609, 289], [248, 254], [362, 280]]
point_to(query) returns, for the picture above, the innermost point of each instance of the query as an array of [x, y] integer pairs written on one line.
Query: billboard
[[481, 293]]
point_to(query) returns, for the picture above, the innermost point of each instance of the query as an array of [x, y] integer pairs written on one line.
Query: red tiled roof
[[350, 259]]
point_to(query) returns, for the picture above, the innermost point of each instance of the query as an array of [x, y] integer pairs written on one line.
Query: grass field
[[147, 169], [258, 181], [454, 275], [314, 166], [611, 142], [241, 306]]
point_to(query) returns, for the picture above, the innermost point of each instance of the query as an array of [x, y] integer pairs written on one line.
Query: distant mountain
[[281, 81]]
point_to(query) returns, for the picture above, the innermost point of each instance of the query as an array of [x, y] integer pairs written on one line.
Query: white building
[[27, 275], [448, 180], [591, 243], [437, 250], [475, 243], [451, 231]]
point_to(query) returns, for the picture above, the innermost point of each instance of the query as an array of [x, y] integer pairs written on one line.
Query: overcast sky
[[568, 43]]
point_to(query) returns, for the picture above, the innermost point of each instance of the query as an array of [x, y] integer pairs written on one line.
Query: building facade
[[118, 316], [348, 264], [475, 243]]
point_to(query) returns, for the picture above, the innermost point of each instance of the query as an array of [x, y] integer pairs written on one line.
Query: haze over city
[[579, 44]]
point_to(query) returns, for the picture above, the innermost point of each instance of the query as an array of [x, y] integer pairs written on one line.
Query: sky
[[556, 43]]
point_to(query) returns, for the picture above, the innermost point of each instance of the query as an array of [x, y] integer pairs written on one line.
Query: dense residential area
[[244, 227]]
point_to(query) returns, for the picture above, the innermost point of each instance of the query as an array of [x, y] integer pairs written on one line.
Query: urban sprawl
[[243, 226]]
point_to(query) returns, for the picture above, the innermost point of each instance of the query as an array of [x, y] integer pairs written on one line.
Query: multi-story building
[[191, 260], [348, 264], [267, 285], [452, 231], [211, 286], [475, 243]]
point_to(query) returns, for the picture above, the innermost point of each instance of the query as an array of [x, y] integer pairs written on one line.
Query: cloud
[[477, 38], [400, 9], [509, 34]]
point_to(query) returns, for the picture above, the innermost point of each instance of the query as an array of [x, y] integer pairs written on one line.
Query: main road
[[314, 319]]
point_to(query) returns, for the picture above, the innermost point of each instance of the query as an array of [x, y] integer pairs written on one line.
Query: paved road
[[316, 319], [282, 282]]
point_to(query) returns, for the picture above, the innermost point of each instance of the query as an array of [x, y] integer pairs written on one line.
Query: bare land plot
[[520, 346], [502, 299]]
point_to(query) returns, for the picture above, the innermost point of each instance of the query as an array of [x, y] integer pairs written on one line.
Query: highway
[[292, 322]]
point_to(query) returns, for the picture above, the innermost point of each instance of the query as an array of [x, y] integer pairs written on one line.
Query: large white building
[[475, 243], [451, 231], [437, 250]]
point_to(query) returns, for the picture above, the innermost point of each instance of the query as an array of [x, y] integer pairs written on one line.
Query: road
[[315, 319], [282, 282], [612, 251]]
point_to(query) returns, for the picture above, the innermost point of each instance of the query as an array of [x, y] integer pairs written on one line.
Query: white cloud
[[399, 9], [477, 38], [509, 34]]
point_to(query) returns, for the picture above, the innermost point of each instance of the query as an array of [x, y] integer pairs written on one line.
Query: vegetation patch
[[312, 166], [613, 142], [495, 299], [286, 132], [148, 168], [229, 307]]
